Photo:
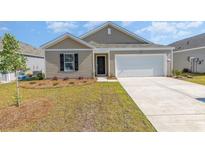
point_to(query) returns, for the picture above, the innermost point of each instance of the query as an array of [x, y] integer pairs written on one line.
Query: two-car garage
[[140, 65]]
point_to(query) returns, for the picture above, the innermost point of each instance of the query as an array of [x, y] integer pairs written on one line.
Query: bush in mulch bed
[[55, 83]]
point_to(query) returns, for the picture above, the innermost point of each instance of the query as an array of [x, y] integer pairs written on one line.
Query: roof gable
[[61, 41], [118, 35]]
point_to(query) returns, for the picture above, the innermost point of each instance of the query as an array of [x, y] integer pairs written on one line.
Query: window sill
[[67, 71]]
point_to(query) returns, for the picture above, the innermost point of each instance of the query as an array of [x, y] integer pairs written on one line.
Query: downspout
[[93, 64], [108, 63], [172, 62], [45, 63]]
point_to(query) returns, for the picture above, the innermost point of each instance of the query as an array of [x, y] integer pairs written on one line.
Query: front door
[[100, 65]]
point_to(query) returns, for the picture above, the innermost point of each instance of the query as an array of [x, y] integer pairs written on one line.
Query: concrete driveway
[[169, 104]]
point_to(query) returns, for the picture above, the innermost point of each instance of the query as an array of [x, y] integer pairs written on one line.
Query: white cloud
[[3, 29], [61, 26], [126, 23], [92, 24], [162, 32], [187, 25]]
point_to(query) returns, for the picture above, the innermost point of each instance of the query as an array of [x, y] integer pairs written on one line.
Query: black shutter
[[61, 62], [76, 62]]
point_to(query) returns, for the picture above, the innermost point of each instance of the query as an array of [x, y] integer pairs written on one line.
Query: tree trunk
[[17, 90]]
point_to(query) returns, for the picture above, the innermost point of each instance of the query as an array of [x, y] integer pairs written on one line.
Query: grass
[[196, 78], [92, 107]]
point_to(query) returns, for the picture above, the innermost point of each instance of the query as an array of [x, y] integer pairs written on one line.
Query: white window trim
[[69, 62]]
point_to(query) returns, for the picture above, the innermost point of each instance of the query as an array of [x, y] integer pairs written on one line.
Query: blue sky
[[37, 33]]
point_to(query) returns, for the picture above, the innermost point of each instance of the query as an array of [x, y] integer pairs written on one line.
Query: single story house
[[108, 50], [189, 54], [34, 60]]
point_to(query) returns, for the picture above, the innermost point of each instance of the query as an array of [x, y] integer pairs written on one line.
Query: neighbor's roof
[[189, 43], [128, 45], [27, 49]]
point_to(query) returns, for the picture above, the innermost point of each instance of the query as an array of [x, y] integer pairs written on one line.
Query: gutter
[[203, 47], [131, 49]]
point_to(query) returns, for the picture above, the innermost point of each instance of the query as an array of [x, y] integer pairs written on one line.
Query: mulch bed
[[11, 117], [41, 84]]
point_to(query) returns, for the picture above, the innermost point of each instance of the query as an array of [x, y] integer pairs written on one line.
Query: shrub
[[188, 76], [32, 82], [40, 76], [40, 84], [29, 75], [186, 70], [80, 78], [71, 82], [55, 84], [55, 78], [66, 78], [177, 73], [32, 78]]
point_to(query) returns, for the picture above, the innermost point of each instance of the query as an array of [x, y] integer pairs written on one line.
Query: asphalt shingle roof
[[191, 42], [126, 45], [27, 49]]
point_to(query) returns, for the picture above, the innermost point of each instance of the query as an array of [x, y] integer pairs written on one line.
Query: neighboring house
[[108, 50], [189, 54], [35, 60]]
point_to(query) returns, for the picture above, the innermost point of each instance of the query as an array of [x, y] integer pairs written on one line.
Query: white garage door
[[140, 65]]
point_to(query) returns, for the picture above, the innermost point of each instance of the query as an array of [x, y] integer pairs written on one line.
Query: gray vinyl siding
[[53, 64], [113, 53], [181, 62], [116, 37], [68, 44], [35, 63]]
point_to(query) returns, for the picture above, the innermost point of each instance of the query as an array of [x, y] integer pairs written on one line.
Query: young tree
[[11, 59]]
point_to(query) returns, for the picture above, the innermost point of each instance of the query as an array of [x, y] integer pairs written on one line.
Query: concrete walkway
[[169, 104], [104, 79]]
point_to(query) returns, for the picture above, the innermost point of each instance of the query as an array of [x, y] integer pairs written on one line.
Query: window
[[69, 62]]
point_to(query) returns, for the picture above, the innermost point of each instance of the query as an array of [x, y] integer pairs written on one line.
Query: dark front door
[[100, 65]]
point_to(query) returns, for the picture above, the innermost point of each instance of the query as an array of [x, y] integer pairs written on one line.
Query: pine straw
[[41, 84], [30, 111]]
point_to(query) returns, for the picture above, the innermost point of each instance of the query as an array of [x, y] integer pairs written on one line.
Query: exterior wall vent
[[109, 32]]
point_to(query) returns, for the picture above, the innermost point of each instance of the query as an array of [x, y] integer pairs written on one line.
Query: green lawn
[[94, 107], [196, 78]]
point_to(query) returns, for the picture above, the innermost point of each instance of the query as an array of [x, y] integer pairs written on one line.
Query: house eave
[[203, 47], [68, 49], [133, 49], [112, 49]]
